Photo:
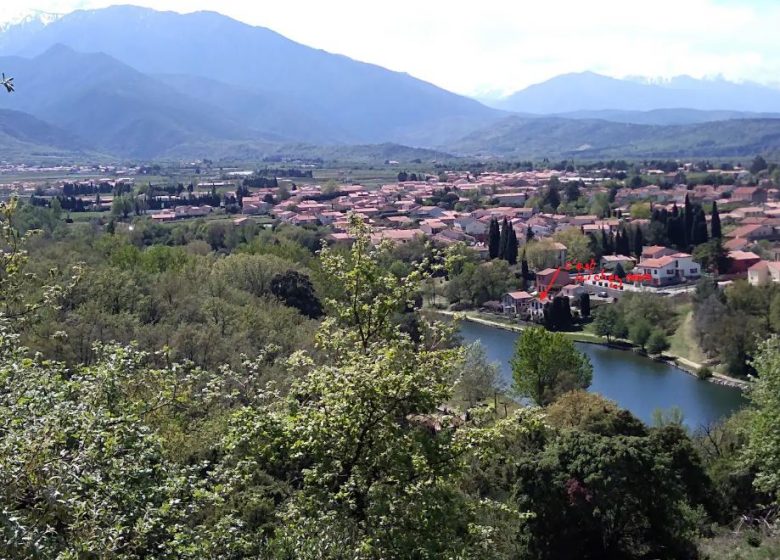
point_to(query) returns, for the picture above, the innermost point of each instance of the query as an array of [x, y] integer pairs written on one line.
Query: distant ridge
[[588, 91]]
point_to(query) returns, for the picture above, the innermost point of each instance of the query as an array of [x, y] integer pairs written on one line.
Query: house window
[[693, 271], [670, 271]]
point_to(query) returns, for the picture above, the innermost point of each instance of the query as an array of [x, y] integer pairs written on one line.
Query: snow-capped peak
[[25, 18]]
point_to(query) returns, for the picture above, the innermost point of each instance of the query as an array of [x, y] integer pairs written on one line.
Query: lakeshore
[[678, 362]]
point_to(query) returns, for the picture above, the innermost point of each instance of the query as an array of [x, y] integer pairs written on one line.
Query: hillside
[[111, 105], [543, 137], [23, 136], [354, 101]]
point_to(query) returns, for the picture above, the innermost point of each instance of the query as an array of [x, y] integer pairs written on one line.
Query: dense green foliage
[[272, 431], [546, 364]]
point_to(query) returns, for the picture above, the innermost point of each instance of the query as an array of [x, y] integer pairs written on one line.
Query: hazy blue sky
[[475, 47]]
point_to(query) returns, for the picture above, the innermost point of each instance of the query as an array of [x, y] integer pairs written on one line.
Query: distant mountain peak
[[27, 17]]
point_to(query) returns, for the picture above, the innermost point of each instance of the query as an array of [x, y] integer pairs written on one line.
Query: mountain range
[[137, 83]]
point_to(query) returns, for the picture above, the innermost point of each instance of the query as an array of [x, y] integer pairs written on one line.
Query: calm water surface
[[634, 382]]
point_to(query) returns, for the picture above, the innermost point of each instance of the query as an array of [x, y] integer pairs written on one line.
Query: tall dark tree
[[699, 227], [572, 191], [296, 290], [606, 245], [689, 215], [503, 239], [585, 304], [510, 253], [623, 243], [715, 222], [494, 238], [638, 242], [529, 234], [551, 196]]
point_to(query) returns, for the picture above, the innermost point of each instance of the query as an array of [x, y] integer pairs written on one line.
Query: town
[[650, 233]]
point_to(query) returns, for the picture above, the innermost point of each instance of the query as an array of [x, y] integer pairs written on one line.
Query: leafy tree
[[546, 364], [578, 247], [541, 254], [657, 342], [763, 448], [374, 468], [476, 379], [758, 165], [712, 256], [639, 332], [330, 187], [640, 210], [608, 322], [589, 490], [296, 290]]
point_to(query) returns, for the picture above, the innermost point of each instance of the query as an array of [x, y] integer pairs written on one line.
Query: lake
[[636, 383]]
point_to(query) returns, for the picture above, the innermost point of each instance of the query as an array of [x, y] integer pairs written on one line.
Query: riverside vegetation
[[209, 391]]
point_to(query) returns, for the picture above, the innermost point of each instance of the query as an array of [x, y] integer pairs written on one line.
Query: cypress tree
[[624, 247], [715, 222], [585, 304], [638, 242], [494, 237], [511, 246], [529, 234], [699, 227], [524, 267], [503, 239], [689, 215]]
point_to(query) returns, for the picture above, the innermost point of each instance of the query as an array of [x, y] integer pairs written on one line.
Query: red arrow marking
[[543, 295]]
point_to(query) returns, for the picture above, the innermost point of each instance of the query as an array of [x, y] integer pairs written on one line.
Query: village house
[[669, 269], [609, 262], [395, 235], [755, 195], [753, 232], [656, 252], [741, 261], [572, 291], [764, 272], [552, 279], [516, 303]]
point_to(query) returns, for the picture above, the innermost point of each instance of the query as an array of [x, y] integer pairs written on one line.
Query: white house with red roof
[[669, 269]]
